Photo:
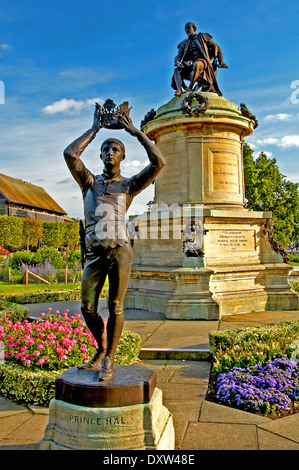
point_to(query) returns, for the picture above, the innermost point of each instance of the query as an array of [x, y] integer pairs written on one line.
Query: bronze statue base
[[125, 413], [130, 385]]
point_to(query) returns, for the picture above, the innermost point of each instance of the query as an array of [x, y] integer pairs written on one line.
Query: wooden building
[[21, 199]]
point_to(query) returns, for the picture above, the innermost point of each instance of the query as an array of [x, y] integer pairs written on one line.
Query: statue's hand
[[179, 65], [223, 66], [97, 123], [127, 123]]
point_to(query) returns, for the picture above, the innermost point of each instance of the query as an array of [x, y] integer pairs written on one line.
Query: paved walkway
[[179, 352]]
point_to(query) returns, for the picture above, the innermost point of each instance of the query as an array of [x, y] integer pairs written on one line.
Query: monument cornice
[[220, 112]]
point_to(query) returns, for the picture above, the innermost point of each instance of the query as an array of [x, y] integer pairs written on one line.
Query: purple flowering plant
[[260, 388], [45, 270]]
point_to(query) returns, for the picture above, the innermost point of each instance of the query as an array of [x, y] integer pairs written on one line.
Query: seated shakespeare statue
[[106, 199], [197, 60]]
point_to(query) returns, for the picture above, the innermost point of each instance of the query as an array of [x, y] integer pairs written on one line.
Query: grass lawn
[[10, 288]]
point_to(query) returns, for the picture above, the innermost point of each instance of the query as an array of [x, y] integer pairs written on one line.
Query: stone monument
[[232, 267]]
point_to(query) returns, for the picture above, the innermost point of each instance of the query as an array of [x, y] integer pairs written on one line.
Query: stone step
[[175, 354]]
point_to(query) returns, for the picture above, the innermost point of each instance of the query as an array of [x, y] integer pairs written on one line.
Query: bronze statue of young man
[[106, 198], [194, 62]]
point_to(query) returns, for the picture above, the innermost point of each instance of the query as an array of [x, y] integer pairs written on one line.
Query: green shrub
[[16, 276], [19, 257], [74, 257], [73, 276], [294, 286], [27, 386], [128, 348], [3, 273], [243, 347], [16, 312], [55, 257]]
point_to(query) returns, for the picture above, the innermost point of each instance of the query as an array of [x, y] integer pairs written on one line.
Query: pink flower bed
[[50, 343]]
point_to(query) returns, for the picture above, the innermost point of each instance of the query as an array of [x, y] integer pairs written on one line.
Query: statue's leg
[[178, 81], [119, 276], [198, 69], [93, 280]]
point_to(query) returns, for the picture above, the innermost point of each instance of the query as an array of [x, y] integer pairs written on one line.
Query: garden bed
[[211, 395], [255, 369], [37, 352]]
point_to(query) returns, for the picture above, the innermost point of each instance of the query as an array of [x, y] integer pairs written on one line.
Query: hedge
[[49, 296], [45, 296], [242, 347], [15, 231], [17, 312], [27, 386]]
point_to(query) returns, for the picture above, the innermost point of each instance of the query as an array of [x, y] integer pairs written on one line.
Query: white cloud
[[290, 141], [278, 117], [69, 105], [268, 141], [285, 142], [256, 154]]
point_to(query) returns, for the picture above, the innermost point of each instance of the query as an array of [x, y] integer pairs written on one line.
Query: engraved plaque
[[225, 171], [233, 240]]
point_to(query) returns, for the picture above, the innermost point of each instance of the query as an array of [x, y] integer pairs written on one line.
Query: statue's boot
[[96, 326], [106, 372], [94, 361]]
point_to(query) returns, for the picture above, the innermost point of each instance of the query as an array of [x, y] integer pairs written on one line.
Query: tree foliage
[[56, 234], [32, 232], [53, 234], [11, 231], [266, 189], [17, 232]]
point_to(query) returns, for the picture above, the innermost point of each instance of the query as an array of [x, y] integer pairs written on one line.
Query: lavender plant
[[44, 270]]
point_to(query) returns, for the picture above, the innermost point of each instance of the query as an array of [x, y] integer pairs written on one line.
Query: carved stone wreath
[[186, 104]]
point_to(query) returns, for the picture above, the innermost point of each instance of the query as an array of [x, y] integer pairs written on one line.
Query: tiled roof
[[27, 194]]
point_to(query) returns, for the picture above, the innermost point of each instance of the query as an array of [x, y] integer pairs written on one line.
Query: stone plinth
[[203, 153], [204, 178], [125, 413]]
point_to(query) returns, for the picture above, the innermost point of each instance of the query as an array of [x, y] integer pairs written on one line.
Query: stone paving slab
[[182, 334], [184, 386], [220, 436], [257, 318], [9, 408], [269, 441], [287, 427], [144, 328], [31, 431], [214, 413]]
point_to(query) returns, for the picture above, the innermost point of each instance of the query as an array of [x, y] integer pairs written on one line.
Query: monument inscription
[[234, 240], [98, 420], [225, 172]]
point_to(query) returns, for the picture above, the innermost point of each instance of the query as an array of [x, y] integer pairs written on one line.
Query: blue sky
[[57, 58]]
